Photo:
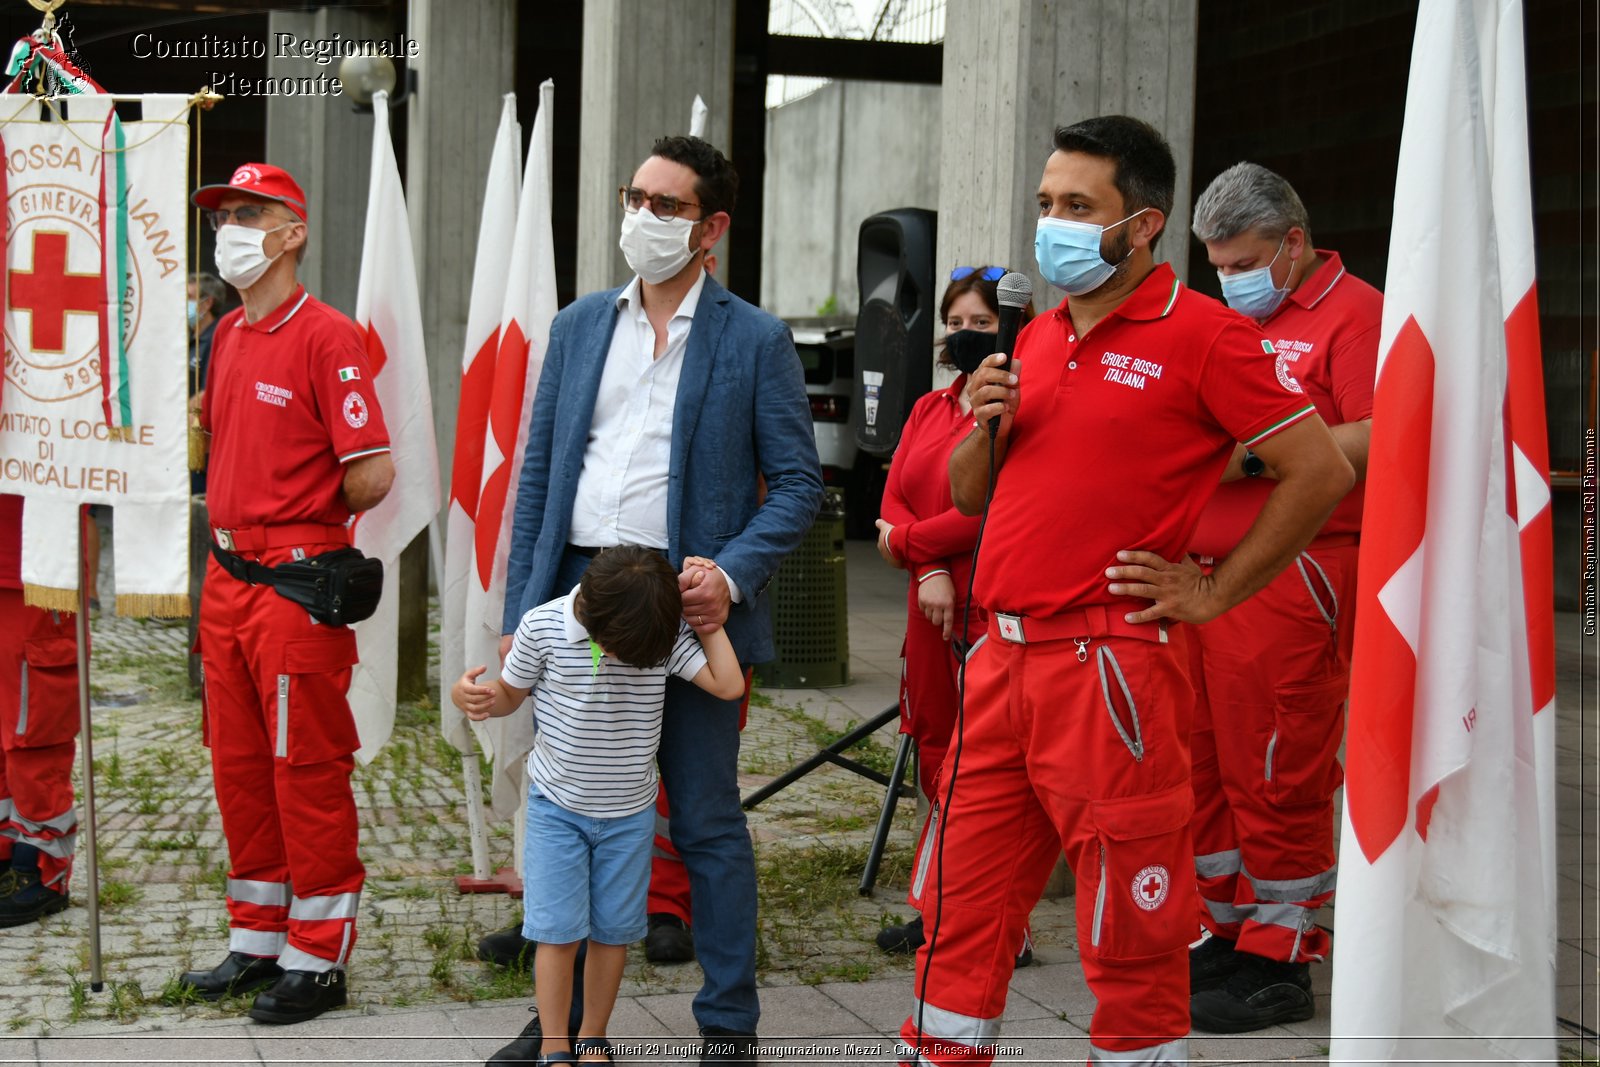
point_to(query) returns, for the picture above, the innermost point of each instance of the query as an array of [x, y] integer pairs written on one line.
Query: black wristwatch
[[1253, 465]]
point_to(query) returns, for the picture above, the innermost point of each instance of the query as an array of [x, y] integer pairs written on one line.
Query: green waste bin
[[810, 630]]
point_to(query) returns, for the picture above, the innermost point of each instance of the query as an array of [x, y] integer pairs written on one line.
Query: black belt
[[584, 550]]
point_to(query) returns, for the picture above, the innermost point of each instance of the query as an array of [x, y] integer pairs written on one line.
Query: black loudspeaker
[[894, 329]]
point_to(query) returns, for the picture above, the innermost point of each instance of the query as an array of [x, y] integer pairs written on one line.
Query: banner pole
[[477, 829], [92, 849]]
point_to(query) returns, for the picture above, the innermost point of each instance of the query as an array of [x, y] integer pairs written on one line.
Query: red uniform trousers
[[929, 691], [1271, 677], [1075, 744], [38, 731], [669, 878], [281, 736]]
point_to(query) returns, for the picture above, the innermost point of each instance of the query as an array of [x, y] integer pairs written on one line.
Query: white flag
[[388, 312], [467, 642], [530, 305], [1445, 943]]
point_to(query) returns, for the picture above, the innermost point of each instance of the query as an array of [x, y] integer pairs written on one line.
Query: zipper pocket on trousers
[[930, 842], [1099, 901], [1272, 744], [1135, 740]]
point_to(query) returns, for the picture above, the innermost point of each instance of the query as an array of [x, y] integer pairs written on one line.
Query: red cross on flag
[[530, 305], [388, 312], [470, 641], [1445, 944]]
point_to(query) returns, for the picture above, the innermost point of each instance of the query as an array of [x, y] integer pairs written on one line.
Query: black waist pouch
[[337, 588]]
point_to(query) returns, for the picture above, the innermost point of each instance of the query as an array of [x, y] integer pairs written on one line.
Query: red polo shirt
[[1326, 334], [916, 498], [1119, 439], [289, 400]]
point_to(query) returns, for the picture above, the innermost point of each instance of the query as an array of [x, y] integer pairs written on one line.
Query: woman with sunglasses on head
[[921, 532]]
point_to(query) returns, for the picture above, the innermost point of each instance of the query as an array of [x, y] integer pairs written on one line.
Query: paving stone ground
[[419, 996], [163, 860]]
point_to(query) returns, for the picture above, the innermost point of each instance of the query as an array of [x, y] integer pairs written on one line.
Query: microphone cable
[[953, 761]]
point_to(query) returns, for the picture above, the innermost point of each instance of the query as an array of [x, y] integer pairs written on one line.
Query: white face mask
[[241, 260], [656, 249]]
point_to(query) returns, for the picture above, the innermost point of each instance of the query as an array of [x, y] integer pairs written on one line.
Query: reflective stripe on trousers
[[1168, 1052]]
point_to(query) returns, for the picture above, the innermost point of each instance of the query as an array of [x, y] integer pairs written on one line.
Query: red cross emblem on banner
[[49, 292]]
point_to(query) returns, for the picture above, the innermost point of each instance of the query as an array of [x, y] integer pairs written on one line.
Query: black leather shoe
[[24, 899], [508, 948], [1261, 993], [1211, 964], [669, 940], [300, 995], [726, 1046], [902, 939], [1025, 957], [236, 975], [524, 1051]]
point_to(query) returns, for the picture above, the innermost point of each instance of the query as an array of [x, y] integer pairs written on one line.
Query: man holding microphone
[[1114, 424]]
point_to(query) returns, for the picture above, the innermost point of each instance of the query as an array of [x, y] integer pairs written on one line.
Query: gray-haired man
[[1267, 727]]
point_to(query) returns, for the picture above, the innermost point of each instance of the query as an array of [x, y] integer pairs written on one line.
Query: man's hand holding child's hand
[[705, 595]]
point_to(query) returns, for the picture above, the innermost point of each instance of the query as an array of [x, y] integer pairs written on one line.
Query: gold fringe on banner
[[164, 605], [49, 598]]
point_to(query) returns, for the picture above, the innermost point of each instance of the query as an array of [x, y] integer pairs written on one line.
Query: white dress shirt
[[622, 489], [621, 497]]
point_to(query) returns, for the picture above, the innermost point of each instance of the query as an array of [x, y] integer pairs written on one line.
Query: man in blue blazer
[[661, 409]]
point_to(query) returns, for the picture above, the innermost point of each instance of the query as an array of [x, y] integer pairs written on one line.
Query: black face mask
[[967, 348]]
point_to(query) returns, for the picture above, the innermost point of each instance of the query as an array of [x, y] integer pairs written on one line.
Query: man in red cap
[[298, 446]]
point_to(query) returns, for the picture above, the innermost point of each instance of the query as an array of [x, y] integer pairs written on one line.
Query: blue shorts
[[585, 876]]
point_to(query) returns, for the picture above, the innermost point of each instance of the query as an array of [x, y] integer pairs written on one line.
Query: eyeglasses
[[662, 206], [245, 214], [988, 274]]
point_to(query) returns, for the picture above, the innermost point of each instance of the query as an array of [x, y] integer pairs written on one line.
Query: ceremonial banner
[[468, 642], [388, 313], [1445, 944], [93, 404], [530, 305]]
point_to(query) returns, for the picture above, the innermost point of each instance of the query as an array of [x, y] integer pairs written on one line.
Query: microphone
[[1014, 291]]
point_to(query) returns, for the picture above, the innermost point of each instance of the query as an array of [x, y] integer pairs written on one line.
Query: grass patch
[[176, 992], [812, 922], [115, 893]]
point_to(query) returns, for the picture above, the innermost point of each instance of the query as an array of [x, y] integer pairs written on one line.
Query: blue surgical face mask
[[1251, 292], [194, 313], [1069, 253]]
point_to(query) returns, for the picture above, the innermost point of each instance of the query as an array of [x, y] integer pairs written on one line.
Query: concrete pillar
[[1014, 70], [643, 64], [449, 136], [327, 146]]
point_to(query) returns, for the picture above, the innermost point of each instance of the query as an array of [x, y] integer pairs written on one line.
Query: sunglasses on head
[[988, 274]]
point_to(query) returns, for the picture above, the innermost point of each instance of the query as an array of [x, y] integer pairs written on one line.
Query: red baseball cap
[[257, 179]]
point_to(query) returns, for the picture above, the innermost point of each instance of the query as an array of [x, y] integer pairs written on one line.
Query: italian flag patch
[[1266, 346], [349, 374]]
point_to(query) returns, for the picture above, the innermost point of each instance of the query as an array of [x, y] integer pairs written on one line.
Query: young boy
[[597, 662]]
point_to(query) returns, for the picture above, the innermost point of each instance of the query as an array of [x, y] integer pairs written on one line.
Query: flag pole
[[477, 830], [92, 850]]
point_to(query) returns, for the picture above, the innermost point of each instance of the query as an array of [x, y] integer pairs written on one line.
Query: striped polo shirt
[[597, 726]]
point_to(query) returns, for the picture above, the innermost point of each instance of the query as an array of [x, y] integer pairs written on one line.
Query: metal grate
[[810, 625]]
